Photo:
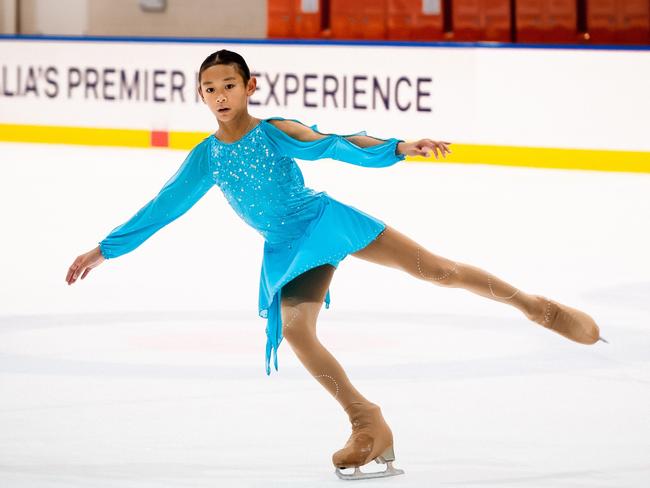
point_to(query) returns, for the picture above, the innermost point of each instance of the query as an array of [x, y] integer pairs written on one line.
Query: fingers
[[436, 146], [424, 146], [72, 274], [426, 149], [443, 147], [71, 271], [74, 271], [86, 271]]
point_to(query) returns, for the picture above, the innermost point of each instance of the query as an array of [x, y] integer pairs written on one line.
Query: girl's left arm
[[303, 142], [300, 141], [417, 148]]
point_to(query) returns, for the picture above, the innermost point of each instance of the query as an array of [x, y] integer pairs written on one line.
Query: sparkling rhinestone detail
[[438, 278], [496, 296], [335, 383]]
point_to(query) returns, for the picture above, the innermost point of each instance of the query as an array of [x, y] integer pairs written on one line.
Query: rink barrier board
[[473, 102], [533, 157]]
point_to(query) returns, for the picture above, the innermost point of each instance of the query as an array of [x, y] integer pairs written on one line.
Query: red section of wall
[[159, 138], [546, 21], [287, 19], [358, 19], [307, 24], [618, 21], [536, 21], [481, 20], [406, 20], [279, 18]]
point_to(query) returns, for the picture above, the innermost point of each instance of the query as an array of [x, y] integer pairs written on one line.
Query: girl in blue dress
[[306, 235]]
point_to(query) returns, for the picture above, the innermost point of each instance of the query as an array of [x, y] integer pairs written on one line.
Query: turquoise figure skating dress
[[258, 176]]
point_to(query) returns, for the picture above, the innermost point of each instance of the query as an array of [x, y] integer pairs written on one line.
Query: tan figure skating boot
[[371, 439], [569, 322]]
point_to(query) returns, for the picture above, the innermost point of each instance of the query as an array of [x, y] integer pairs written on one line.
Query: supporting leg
[[371, 438], [302, 300]]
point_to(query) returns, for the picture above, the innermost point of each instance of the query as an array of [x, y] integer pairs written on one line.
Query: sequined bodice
[[259, 178], [265, 188], [264, 185]]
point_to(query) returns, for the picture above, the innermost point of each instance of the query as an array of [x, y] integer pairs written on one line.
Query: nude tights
[[302, 300]]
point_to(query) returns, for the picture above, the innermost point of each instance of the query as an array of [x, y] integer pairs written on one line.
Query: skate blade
[[360, 475]]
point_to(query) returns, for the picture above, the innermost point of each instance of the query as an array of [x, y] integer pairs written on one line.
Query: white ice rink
[[150, 372]]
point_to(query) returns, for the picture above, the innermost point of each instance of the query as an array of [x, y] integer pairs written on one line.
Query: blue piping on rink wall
[[323, 42]]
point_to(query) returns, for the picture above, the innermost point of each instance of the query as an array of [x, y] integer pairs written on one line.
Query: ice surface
[[150, 372]]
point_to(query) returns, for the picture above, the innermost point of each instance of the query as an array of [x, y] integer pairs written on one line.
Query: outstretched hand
[[423, 147], [83, 264]]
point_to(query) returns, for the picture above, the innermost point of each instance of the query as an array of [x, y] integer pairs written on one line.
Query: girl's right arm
[[190, 182]]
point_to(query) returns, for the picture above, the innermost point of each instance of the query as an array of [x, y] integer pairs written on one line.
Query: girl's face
[[222, 89]]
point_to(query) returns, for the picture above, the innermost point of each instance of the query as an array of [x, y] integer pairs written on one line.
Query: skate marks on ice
[[473, 401], [226, 345]]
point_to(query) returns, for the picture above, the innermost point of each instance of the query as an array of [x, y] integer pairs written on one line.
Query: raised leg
[[394, 249]]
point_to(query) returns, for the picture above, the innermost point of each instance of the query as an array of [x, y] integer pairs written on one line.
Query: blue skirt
[[336, 231]]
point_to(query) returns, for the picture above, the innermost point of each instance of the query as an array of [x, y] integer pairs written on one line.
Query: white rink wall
[[563, 98]]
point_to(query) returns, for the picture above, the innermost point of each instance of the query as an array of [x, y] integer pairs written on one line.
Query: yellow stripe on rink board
[[185, 140], [544, 157], [90, 136], [94, 136], [530, 157]]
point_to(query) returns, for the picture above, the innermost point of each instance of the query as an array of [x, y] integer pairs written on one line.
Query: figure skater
[[306, 235]]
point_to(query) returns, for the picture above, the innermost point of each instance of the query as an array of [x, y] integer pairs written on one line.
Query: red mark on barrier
[[159, 138]]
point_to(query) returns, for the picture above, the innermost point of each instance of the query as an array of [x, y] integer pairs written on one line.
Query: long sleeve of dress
[[337, 147], [190, 182]]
